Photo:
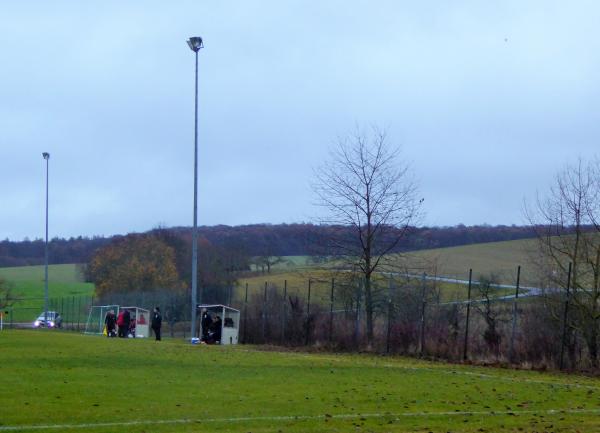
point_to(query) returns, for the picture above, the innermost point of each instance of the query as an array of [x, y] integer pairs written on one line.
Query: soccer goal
[[95, 320]]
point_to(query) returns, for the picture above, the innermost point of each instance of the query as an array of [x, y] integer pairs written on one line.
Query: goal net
[[95, 320]]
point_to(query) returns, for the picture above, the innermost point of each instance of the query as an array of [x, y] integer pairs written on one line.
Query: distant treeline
[[261, 240]]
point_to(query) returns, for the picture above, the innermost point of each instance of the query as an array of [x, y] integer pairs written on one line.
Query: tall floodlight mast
[[195, 44]]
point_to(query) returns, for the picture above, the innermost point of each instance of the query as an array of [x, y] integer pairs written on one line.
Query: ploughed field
[[56, 381]]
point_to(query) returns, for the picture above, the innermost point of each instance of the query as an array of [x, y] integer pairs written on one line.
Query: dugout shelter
[[139, 325], [230, 321], [140, 322]]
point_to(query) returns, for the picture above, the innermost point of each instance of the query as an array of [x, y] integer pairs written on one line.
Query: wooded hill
[[261, 239]]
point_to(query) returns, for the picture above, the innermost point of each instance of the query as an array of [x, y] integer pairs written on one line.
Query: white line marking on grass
[[388, 416]]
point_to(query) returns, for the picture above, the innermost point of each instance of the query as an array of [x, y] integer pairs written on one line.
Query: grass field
[[297, 284], [64, 281], [53, 381], [501, 258]]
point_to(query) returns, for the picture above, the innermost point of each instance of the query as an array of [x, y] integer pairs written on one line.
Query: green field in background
[[500, 258], [297, 285], [27, 285]]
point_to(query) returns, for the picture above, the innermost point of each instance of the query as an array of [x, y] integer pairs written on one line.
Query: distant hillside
[[500, 258], [261, 239], [65, 285]]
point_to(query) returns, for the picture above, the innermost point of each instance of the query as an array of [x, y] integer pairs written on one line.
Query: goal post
[[95, 321]]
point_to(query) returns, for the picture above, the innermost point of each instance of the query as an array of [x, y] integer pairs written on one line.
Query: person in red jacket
[[121, 324]]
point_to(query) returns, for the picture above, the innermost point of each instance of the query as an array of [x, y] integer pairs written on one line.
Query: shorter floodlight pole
[[46, 156]]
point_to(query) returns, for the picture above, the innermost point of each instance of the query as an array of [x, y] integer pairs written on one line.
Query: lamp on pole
[[195, 44], [46, 156]]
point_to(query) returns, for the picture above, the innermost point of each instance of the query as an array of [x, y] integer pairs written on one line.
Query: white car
[[54, 320]]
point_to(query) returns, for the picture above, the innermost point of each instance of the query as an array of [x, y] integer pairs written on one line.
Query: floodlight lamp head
[[195, 43], [46, 155]]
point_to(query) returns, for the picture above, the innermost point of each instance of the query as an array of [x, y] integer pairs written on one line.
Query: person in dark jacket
[[110, 321], [156, 323], [126, 322], [216, 329], [206, 324]]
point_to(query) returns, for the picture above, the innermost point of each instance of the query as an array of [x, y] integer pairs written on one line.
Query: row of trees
[[31, 252], [161, 260], [265, 240]]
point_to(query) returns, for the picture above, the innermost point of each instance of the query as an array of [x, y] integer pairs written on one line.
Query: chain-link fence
[[421, 315], [417, 315], [73, 310]]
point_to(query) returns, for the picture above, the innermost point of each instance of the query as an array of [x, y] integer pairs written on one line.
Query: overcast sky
[[487, 100]]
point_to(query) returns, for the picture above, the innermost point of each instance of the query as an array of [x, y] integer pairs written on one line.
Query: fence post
[[283, 311], [331, 312], [389, 315], [72, 313], [422, 333], [264, 315], [357, 321], [514, 318], [565, 316], [78, 312], [467, 318], [246, 316], [308, 314], [90, 308]]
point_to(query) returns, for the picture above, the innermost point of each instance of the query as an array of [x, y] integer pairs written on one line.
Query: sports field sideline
[[53, 381]]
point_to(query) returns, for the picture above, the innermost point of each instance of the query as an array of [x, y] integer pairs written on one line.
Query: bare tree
[[567, 223], [365, 185], [269, 261]]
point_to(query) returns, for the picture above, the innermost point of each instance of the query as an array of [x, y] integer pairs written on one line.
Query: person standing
[[126, 323], [109, 322], [217, 328], [156, 323], [206, 324], [121, 324]]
